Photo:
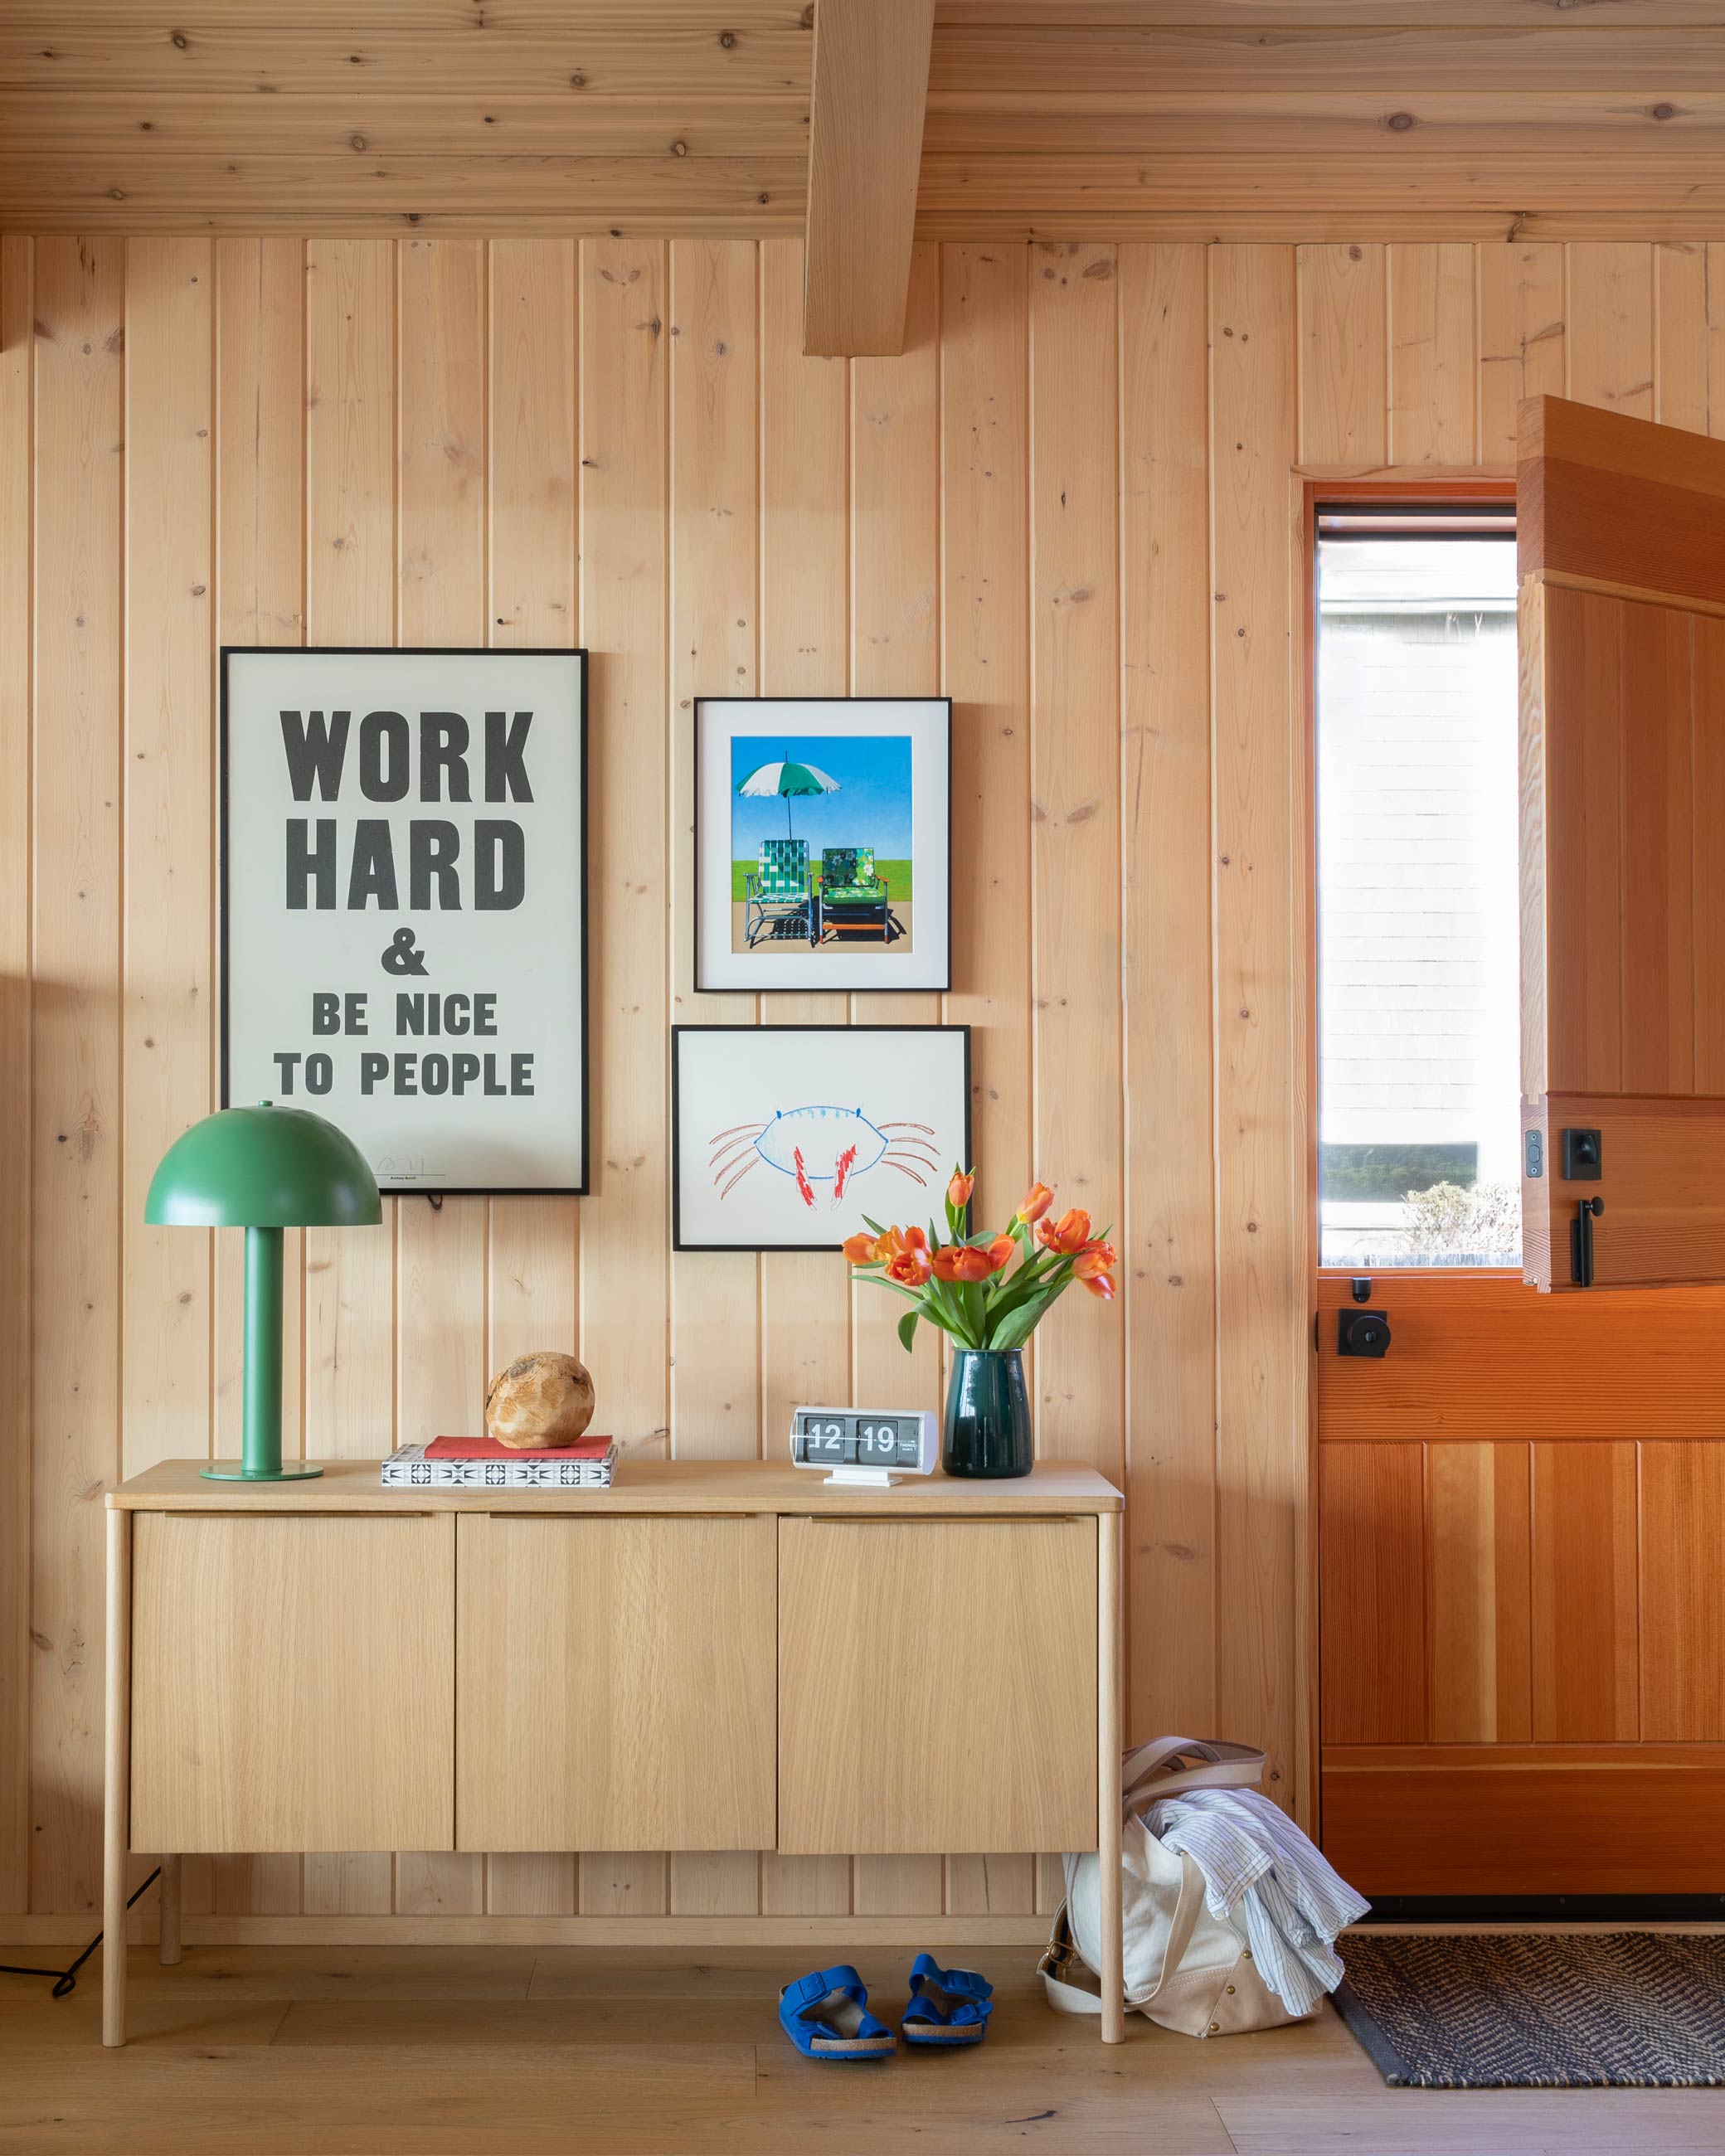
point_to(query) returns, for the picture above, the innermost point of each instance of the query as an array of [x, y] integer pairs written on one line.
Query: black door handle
[[1581, 1240]]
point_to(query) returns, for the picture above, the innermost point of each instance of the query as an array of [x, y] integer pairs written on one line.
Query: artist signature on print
[[405, 1171], [799, 1142]]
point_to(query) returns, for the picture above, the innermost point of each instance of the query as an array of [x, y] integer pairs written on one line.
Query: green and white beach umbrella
[[788, 779]]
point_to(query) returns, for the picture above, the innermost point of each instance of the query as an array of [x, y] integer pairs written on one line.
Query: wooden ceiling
[[1070, 118]]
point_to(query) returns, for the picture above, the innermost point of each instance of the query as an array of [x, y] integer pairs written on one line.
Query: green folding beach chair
[[853, 900], [777, 900]]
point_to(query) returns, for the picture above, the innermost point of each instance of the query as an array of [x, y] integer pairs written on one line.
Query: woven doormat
[[1590, 2010]]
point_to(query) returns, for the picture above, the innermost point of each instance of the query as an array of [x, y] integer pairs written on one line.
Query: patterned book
[[409, 1468], [488, 1448]]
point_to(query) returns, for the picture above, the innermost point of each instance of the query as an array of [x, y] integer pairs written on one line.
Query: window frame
[[1318, 494]]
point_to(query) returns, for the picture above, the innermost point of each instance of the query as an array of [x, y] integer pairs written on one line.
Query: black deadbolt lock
[[1363, 1332], [1583, 1155]]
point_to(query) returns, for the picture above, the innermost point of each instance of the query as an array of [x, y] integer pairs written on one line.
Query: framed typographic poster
[[403, 909]]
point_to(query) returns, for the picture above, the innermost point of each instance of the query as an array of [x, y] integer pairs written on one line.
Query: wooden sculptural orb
[[539, 1400]]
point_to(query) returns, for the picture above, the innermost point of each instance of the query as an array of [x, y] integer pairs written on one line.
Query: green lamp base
[[291, 1470]]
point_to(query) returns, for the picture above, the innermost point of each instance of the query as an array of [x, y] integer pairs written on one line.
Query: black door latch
[[1581, 1240]]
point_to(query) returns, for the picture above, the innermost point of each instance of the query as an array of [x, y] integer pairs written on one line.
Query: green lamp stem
[[260, 1440], [260, 1448]]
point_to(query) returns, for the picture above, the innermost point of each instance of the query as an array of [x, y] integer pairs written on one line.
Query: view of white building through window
[[1418, 1078]]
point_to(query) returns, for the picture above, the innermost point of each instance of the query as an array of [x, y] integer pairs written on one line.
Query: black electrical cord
[[66, 1979]]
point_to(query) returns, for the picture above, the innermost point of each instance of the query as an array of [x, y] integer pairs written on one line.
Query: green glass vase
[[987, 1433]]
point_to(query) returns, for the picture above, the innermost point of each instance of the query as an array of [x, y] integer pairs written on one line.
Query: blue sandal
[[826, 2016], [947, 2006]]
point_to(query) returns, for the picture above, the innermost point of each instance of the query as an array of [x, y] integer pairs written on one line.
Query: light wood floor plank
[[406, 2051]]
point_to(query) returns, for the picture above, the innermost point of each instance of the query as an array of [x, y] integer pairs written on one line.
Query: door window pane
[[1419, 1026]]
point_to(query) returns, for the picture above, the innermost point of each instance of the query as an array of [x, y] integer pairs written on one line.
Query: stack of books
[[480, 1463]]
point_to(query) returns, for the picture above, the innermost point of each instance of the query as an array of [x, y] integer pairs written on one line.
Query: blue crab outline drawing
[[799, 1142]]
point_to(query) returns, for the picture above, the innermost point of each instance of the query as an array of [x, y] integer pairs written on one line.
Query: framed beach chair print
[[823, 842]]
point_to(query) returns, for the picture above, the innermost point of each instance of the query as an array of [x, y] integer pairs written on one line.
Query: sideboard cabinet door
[[615, 1680], [293, 1681], [937, 1685]]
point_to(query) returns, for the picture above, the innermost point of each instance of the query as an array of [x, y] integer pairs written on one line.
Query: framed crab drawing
[[783, 1137]]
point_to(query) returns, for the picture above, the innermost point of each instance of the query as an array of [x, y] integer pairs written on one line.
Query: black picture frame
[[226, 652], [833, 981], [766, 1034]]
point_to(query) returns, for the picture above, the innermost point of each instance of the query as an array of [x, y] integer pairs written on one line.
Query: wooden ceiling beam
[[865, 148]]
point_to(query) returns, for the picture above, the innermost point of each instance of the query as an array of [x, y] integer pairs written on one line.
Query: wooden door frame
[[1309, 484]]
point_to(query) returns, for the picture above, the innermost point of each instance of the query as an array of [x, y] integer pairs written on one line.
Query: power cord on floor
[[66, 1979]]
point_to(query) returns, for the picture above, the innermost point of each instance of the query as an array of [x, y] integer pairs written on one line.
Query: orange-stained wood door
[[1620, 534], [1521, 1558], [1520, 1509]]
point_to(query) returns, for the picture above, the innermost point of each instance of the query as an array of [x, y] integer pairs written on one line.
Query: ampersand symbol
[[402, 956]]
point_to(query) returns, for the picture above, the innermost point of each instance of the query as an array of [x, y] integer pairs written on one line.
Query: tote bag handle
[[1225, 1766]]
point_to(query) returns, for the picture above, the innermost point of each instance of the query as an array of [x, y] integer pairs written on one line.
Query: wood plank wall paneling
[[1261, 1256], [1317, 121], [16, 816], [404, 438]]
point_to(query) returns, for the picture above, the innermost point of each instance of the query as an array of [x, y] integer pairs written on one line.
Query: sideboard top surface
[[640, 1486]]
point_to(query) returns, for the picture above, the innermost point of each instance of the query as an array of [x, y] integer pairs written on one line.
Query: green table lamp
[[262, 1169]]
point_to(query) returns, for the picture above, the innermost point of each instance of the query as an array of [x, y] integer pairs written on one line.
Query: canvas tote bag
[[1183, 1967]]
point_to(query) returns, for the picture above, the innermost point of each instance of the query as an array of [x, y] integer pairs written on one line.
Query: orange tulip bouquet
[[969, 1288]]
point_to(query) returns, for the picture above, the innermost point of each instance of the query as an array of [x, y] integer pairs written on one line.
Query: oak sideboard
[[705, 1656]]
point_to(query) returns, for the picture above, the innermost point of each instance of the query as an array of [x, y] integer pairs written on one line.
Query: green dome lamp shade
[[262, 1169]]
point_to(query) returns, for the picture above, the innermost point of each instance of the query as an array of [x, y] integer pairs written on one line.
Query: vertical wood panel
[[715, 465], [168, 879], [1261, 1256], [1343, 396], [895, 651], [1611, 326], [983, 443], [1168, 1079], [1682, 1571], [1075, 820], [1689, 389], [16, 353], [259, 598], [532, 1261], [624, 1280], [80, 314], [984, 434], [1432, 348], [804, 509], [1709, 817], [261, 576], [168, 1000], [350, 598], [1585, 1647], [1523, 346], [441, 1244], [1657, 926], [1582, 644], [714, 566], [1372, 1537], [1477, 1584]]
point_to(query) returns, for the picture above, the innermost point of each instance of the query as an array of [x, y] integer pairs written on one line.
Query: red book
[[487, 1448]]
